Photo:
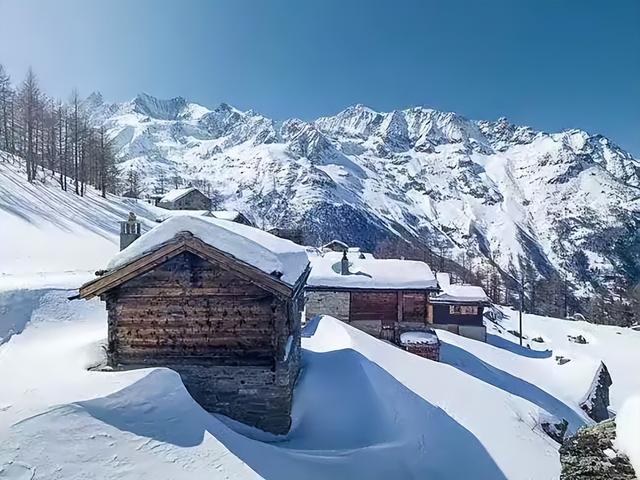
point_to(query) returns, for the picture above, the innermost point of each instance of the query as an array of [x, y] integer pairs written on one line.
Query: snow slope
[[363, 409], [48, 235]]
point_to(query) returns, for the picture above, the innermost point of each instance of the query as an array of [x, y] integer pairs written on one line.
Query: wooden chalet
[[459, 308], [185, 199], [383, 297], [216, 301]]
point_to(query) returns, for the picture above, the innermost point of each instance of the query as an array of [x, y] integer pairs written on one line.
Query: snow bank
[[362, 409], [628, 431], [369, 272], [418, 338], [251, 245]]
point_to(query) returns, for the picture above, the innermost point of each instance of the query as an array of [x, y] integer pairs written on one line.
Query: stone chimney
[[129, 231], [344, 264]]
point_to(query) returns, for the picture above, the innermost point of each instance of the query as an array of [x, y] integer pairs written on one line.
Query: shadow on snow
[[351, 419], [472, 365]]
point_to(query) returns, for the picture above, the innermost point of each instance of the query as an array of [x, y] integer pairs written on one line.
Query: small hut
[[459, 308], [185, 199], [216, 301]]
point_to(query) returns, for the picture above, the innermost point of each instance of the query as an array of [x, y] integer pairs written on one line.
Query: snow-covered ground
[[362, 409]]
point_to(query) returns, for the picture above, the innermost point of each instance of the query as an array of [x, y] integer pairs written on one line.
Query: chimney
[[129, 231], [344, 264]]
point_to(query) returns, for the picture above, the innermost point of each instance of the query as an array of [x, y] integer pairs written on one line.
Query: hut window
[[463, 310]]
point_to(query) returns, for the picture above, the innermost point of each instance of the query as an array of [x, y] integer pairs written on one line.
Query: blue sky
[[551, 64]]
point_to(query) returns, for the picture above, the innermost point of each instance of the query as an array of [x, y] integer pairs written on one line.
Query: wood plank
[[131, 270]]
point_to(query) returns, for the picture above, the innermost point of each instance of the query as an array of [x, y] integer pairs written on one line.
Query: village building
[[229, 215], [218, 302], [383, 297], [459, 308], [154, 198], [335, 246], [185, 199]]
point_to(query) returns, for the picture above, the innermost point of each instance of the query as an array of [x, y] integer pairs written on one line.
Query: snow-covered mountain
[[565, 202]]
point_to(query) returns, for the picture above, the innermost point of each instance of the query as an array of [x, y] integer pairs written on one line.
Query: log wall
[[226, 336]]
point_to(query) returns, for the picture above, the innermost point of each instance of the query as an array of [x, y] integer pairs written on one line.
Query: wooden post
[[521, 308], [400, 305]]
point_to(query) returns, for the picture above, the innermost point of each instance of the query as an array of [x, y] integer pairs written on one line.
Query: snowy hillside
[[555, 203], [45, 230], [362, 407]]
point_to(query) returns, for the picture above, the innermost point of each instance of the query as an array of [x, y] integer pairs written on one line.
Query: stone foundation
[[257, 396]]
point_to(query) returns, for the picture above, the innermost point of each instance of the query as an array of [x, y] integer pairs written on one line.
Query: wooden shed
[[185, 199], [216, 301], [374, 295], [459, 308]]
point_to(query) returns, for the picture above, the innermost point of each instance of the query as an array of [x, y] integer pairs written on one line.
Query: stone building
[[218, 302], [379, 296], [185, 199]]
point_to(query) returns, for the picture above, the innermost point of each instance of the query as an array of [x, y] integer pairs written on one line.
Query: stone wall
[[258, 396], [335, 304]]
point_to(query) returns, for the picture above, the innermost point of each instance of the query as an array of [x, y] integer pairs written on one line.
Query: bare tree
[[6, 105], [29, 98]]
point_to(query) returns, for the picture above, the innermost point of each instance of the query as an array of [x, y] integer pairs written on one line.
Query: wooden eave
[[483, 303], [186, 242]]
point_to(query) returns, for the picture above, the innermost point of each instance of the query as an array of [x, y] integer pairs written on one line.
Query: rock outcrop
[[596, 403], [591, 454]]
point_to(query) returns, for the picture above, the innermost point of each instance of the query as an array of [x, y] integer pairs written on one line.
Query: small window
[[463, 310]]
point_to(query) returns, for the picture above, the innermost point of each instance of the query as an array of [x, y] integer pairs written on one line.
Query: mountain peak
[[153, 107]]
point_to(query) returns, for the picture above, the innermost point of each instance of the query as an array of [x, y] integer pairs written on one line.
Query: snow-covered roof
[[176, 194], [229, 215], [250, 245], [336, 242], [226, 214], [369, 272], [443, 278], [419, 338], [180, 213], [461, 294]]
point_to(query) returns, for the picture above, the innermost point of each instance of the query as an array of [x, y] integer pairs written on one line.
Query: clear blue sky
[[551, 64]]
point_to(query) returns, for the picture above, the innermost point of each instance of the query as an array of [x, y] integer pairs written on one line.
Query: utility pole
[[521, 308]]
